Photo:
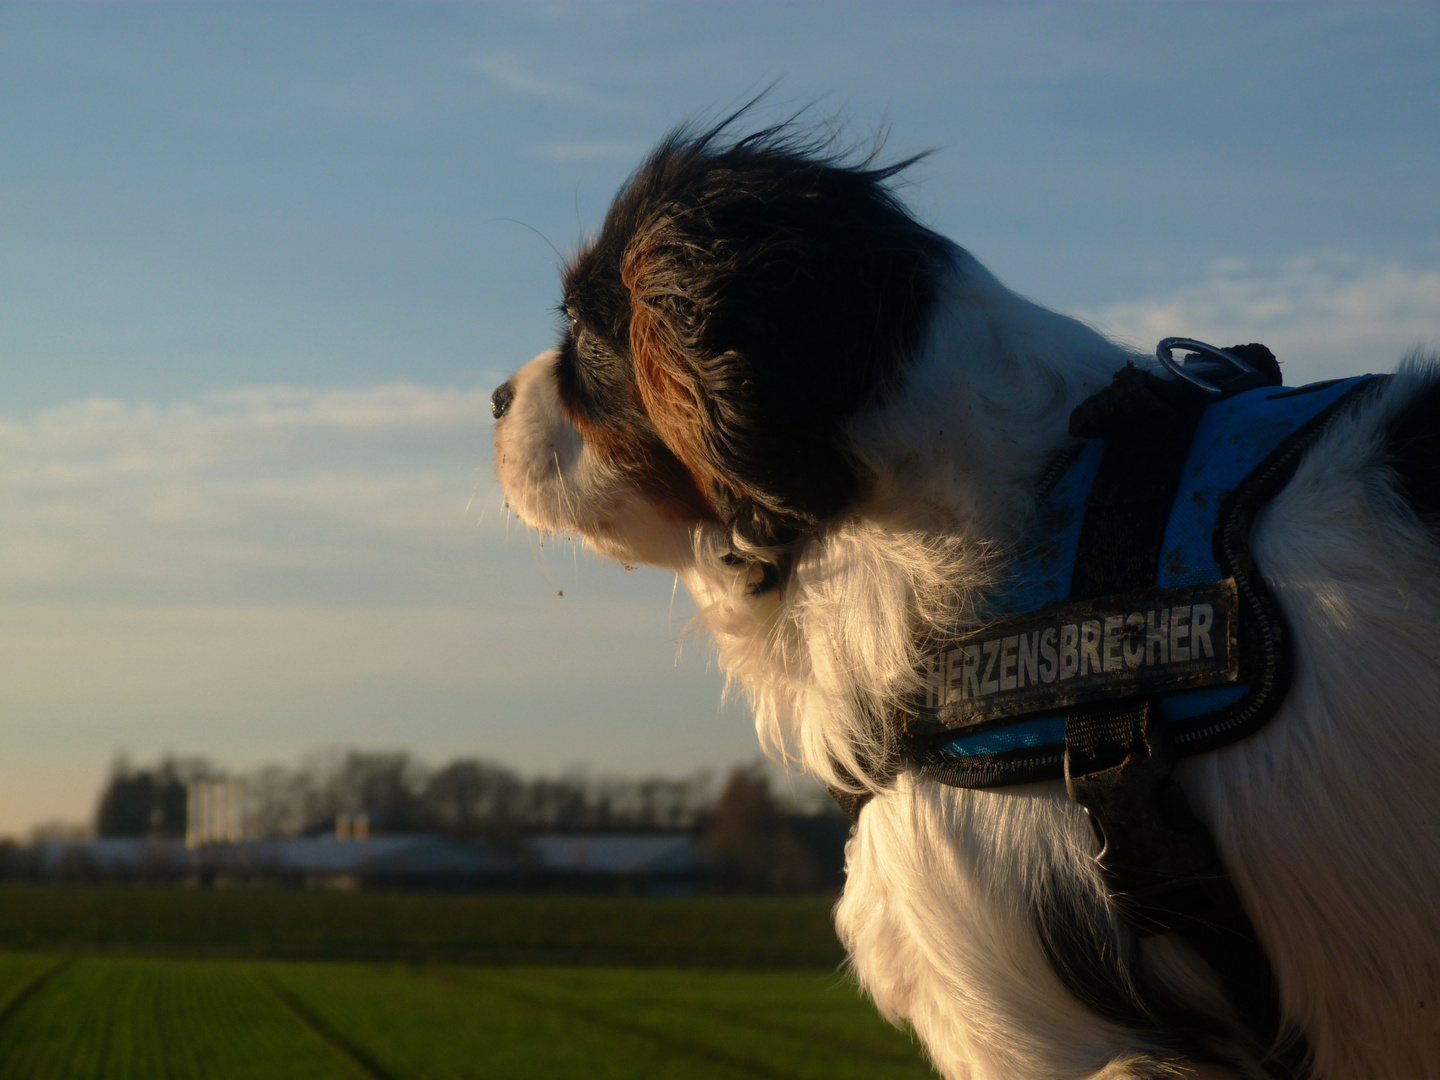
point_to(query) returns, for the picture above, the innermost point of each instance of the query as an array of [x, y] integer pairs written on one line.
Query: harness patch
[[1155, 641]]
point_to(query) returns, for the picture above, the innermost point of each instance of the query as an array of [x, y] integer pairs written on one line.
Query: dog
[[831, 423]]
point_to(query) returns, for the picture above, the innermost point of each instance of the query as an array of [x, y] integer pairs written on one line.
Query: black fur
[[1412, 447], [793, 285], [1106, 971]]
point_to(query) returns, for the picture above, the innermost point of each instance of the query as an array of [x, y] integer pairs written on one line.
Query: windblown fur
[[829, 422]]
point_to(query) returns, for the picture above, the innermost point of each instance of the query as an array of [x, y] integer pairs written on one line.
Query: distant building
[[214, 812], [354, 826], [120, 857], [404, 859], [641, 862]]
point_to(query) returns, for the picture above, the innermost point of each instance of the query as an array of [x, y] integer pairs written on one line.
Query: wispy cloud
[[206, 498], [1323, 314], [522, 76], [592, 150]]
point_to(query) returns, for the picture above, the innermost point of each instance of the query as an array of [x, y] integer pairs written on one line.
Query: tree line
[[465, 798], [755, 840]]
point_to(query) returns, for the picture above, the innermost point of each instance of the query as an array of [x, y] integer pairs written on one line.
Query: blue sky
[[262, 264]]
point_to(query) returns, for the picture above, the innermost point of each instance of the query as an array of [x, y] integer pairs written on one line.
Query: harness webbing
[[1159, 863]]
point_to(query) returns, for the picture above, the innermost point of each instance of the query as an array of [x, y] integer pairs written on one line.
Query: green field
[[119, 1000], [739, 931]]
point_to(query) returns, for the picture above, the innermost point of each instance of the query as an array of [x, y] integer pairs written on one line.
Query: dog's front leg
[[940, 919]]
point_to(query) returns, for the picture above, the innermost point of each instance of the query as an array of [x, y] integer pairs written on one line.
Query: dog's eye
[[572, 321]]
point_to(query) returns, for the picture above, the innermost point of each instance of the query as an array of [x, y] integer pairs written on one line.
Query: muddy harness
[[1133, 629]]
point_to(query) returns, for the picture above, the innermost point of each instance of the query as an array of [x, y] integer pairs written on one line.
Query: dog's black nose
[[500, 400]]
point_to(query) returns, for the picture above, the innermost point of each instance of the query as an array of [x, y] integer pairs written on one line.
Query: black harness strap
[[1159, 863], [1148, 425]]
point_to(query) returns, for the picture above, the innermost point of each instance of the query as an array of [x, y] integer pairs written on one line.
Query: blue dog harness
[[1203, 636]]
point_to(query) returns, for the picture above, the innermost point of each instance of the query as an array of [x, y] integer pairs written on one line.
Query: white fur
[[559, 484], [1328, 819]]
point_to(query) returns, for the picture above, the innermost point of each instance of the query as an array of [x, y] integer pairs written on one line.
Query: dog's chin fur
[[1327, 819], [558, 483]]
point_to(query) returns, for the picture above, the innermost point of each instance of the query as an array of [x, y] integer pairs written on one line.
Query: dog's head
[[744, 301], [820, 413]]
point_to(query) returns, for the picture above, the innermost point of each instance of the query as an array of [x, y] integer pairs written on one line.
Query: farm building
[[604, 862], [639, 862], [403, 859]]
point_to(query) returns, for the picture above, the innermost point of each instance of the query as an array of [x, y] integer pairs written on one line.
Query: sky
[[262, 264]]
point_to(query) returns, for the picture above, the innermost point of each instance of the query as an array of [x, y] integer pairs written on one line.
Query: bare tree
[[147, 802], [470, 798], [753, 841]]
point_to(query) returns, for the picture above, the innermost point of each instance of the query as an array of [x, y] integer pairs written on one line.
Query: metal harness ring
[[1162, 353]]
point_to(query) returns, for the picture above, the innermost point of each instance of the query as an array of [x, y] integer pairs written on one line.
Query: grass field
[[99, 1007], [739, 931], [133, 1018]]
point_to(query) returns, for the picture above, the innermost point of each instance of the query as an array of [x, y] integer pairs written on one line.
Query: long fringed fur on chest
[[829, 421]]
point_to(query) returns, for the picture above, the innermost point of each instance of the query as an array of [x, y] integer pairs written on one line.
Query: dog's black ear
[[759, 437], [767, 479], [773, 295]]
